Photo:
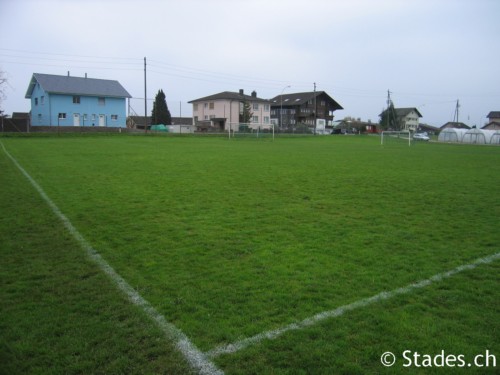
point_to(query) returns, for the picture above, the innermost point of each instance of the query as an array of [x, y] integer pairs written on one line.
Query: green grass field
[[231, 238]]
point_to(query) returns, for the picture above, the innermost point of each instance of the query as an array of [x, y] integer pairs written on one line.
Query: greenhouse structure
[[451, 135]]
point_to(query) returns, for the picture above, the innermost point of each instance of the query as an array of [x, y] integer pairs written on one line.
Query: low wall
[[81, 129]]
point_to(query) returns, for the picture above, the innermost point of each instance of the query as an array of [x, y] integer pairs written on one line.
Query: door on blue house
[[102, 121], [76, 119]]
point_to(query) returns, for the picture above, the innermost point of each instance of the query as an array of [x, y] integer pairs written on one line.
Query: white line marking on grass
[[273, 334], [193, 355]]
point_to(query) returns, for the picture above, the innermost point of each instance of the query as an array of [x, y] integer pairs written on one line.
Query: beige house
[[408, 118], [494, 121], [224, 111]]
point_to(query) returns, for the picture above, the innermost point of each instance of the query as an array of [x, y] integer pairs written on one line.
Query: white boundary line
[[273, 334], [193, 355], [201, 361]]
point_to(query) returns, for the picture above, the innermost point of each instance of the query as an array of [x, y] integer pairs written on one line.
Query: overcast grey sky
[[428, 53]]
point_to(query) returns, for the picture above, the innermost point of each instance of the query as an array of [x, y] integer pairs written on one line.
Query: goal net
[[250, 130], [402, 137]]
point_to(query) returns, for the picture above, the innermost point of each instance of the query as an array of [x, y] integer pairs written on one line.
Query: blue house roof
[[68, 85]]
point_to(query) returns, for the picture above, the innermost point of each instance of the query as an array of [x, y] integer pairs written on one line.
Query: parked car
[[420, 137]]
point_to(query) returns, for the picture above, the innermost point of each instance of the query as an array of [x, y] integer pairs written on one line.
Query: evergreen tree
[[160, 113], [246, 114], [388, 118]]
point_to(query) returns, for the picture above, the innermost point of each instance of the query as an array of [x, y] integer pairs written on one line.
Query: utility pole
[[315, 108], [388, 109], [145, 101], [455, 119], [390, 115]]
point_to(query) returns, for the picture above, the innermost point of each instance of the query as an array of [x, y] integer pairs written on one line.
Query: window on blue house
[[101, 101], [36, 101], [114, 117], [76, 99], [62, 116]]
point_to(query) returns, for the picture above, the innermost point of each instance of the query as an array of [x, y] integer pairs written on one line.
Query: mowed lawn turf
[[230, 238]]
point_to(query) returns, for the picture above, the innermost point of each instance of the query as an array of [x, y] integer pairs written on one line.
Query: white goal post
[[400, 136]]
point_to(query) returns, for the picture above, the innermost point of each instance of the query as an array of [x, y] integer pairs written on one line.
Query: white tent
[[451, 135]]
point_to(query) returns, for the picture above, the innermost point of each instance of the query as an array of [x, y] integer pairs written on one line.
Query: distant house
[[494, 121], [428, 128], [182, 121], [137, 122], [303, 108], [406, 118], [21, 115], [353, 126], [454, 125], [223, 111], [494, 116], [18, 122], [76, 101]]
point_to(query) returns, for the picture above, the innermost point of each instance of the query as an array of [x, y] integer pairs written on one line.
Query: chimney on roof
[[68, 73], [254, 94], [241, 91], [85, 75]]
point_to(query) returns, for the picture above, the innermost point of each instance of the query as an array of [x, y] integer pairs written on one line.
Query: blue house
[[76, 101]]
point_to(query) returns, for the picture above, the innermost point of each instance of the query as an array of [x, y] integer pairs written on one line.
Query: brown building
[[303, 109]]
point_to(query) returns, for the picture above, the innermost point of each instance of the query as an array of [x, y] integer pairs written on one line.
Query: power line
[[70, 55], [66, 66], [76, 61]]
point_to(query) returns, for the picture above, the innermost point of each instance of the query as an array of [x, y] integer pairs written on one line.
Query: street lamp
[[281, 109]]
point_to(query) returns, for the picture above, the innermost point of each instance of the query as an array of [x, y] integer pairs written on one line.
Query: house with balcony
[[408, 118], [76, 101], [311, 109], [225, 111]]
